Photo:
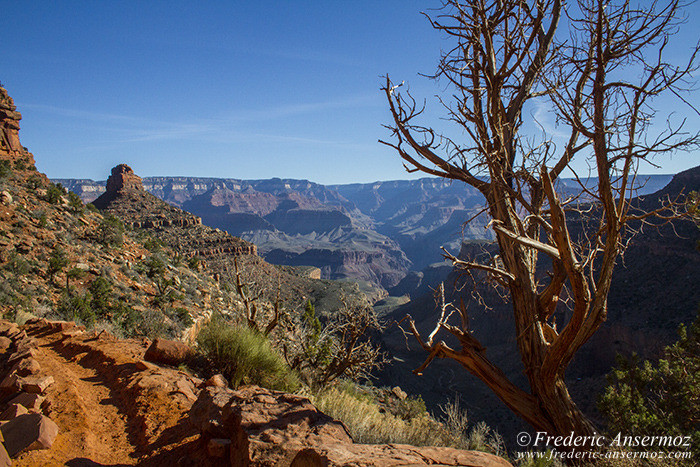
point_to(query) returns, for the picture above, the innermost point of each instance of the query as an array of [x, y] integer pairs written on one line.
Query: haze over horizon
[[228, 89]]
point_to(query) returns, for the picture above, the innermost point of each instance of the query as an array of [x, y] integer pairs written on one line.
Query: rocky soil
[[101, 401]]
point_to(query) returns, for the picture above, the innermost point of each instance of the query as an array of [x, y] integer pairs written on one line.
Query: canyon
[[378, 233], [98, 309]]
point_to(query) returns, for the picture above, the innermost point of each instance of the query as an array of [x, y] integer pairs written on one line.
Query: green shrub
[[101, 291], [17, 265], [411, 407], [57, 262], [183, 316], [76, 308], [54, 193], [193, 262], [662, 398], [74, 201], [91, 207], [73, 273], [155, 267], [111, 231], [126, 318], [43, 220], [34, 182], [245, 356], [153, 245], [20, 164], [5, 169]]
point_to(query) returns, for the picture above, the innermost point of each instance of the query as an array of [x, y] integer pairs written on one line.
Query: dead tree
[[251, 303], [342, 346], [599, 80]]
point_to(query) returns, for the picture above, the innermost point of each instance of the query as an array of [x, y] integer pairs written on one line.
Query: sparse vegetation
[[370, 423], [76, 307], [73, 273], [194, 262], [661, 398], [5, 170], [54, 193], [34, 182], [341, 347], [57, 263], [74, 202], [244, 355], [111, 231]]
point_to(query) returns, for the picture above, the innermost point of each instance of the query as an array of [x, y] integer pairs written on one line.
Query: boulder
[[28, 432], [217, 381], [25, 344], [10, 384], [370, 455], [143, 366], [185, 387], [19, 355], [61, 325], [399, 393], [10, 330], [26, 367], [13, 411], [31, 402], [5, 343], [168, 352], [269, 427], [207, 413], [71, 333], [35, 384]]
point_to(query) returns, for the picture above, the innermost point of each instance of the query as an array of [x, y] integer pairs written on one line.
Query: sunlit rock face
[[9, 123], [123, 177]]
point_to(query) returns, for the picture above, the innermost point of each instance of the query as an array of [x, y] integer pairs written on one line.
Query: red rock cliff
[[123, 177], [9, 124]]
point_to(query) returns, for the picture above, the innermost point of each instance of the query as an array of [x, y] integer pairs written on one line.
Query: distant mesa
[[126, 198], [123, 178]]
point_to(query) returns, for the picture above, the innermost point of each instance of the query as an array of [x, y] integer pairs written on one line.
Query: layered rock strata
[[9, 124], [126, 198], [10, 147]]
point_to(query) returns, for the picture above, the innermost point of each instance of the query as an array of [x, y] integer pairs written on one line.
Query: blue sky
[[221, 89]]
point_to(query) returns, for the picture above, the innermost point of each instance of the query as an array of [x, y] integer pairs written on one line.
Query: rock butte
[[126, 199]]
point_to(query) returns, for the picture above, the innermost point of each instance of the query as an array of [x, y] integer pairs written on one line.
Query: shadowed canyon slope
[[653, 291]]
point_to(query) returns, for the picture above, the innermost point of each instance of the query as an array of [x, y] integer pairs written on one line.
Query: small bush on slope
[[245, 356], [661, 399]]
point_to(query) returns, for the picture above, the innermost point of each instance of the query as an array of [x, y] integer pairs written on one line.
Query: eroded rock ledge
[[261, 427], [102, 402], [126, 198]]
